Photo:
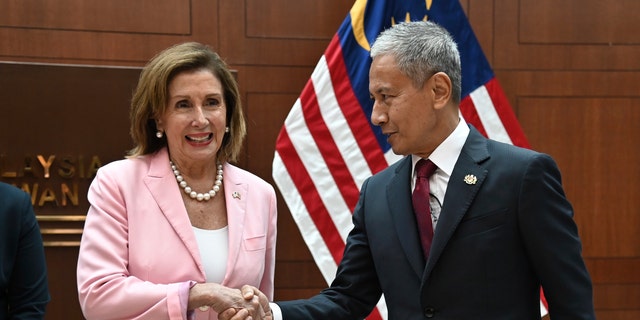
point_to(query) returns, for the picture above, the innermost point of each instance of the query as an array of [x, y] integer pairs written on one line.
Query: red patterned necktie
[[424, 169]]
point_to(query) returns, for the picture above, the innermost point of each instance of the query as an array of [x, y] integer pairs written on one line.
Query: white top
[[214, 251]]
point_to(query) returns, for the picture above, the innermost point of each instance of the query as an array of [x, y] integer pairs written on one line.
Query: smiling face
[[195, 118]]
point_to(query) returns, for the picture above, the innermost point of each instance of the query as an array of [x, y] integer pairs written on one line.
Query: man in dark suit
[[504, 227], [24, 291]]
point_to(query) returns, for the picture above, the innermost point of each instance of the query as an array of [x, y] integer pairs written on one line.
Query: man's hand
[[253, 295], [246, 304]]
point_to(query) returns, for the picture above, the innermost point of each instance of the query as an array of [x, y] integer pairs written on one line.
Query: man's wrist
[[275, 310]]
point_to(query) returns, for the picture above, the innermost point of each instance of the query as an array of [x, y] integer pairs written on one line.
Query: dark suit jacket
[[24, 293], [497, 241]]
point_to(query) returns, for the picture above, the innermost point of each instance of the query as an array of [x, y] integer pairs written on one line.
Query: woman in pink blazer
[[174, 230]]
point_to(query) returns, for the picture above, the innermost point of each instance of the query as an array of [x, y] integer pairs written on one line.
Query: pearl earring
[[226, 129], [159, 134]]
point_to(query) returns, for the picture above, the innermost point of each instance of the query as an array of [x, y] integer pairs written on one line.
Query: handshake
[[247, 303]]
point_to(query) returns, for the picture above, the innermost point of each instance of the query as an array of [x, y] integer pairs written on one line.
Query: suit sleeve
[[28, 288], [355, 289], [552, 241]]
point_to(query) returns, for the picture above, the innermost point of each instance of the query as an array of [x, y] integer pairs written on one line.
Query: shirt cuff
[[183, 292], [275, 311]]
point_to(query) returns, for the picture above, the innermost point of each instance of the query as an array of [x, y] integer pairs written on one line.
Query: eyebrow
[[381, 89], [211, 95]]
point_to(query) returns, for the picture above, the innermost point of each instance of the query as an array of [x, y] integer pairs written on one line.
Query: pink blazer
[[138, 246]]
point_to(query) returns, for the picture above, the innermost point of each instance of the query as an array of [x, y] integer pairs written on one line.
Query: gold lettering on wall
[[46, 165], [68, 194], [49, 179]]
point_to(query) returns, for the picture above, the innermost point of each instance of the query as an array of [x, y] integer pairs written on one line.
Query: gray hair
[[421, 48]]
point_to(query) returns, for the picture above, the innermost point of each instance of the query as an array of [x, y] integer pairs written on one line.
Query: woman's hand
[[250, 301], [254, 295]]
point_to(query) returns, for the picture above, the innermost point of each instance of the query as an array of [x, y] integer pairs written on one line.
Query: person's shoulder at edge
[[11, 190], [514, 151]]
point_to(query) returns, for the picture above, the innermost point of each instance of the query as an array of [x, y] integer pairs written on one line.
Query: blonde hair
[[149, 99]]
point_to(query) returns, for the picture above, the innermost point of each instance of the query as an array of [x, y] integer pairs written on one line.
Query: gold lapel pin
[[470, 179], [236, 195]]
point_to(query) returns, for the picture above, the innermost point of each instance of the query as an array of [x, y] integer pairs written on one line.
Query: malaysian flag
[[328, 147]]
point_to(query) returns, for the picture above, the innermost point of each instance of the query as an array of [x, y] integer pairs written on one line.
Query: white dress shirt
[[444, 157]]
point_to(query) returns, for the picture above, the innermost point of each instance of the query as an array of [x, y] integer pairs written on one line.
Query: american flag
[[328, 147]]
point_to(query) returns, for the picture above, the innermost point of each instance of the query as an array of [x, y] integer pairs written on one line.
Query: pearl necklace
[[194, 195]]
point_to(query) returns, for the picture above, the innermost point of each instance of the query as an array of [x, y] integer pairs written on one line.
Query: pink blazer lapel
[[236, 195], [165, 190]]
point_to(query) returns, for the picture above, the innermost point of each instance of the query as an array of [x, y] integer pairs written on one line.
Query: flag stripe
[[470, 114], [358, 121], [506, 114], [310, 196], [343, 161], [335, 165], [316, 168], [311, 235], [488, 116]]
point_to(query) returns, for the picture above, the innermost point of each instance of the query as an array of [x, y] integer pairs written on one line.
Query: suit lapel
[[401, 208], [236, 194], [163, 187], [460, 193]]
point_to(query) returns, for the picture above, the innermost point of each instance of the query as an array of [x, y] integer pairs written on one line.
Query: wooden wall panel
[[101, 32], [62, 283], [285, 19], [261, 131], [71, 113], [270, 43], [549, 54], [579, 22], [569, 68], [616, 286], [587, 137], [141, 16]]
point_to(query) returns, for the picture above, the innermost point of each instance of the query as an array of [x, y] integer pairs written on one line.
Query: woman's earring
[[226, 129], [159, 134]]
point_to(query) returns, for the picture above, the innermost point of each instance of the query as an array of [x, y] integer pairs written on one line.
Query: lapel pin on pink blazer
[[236, 195]]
